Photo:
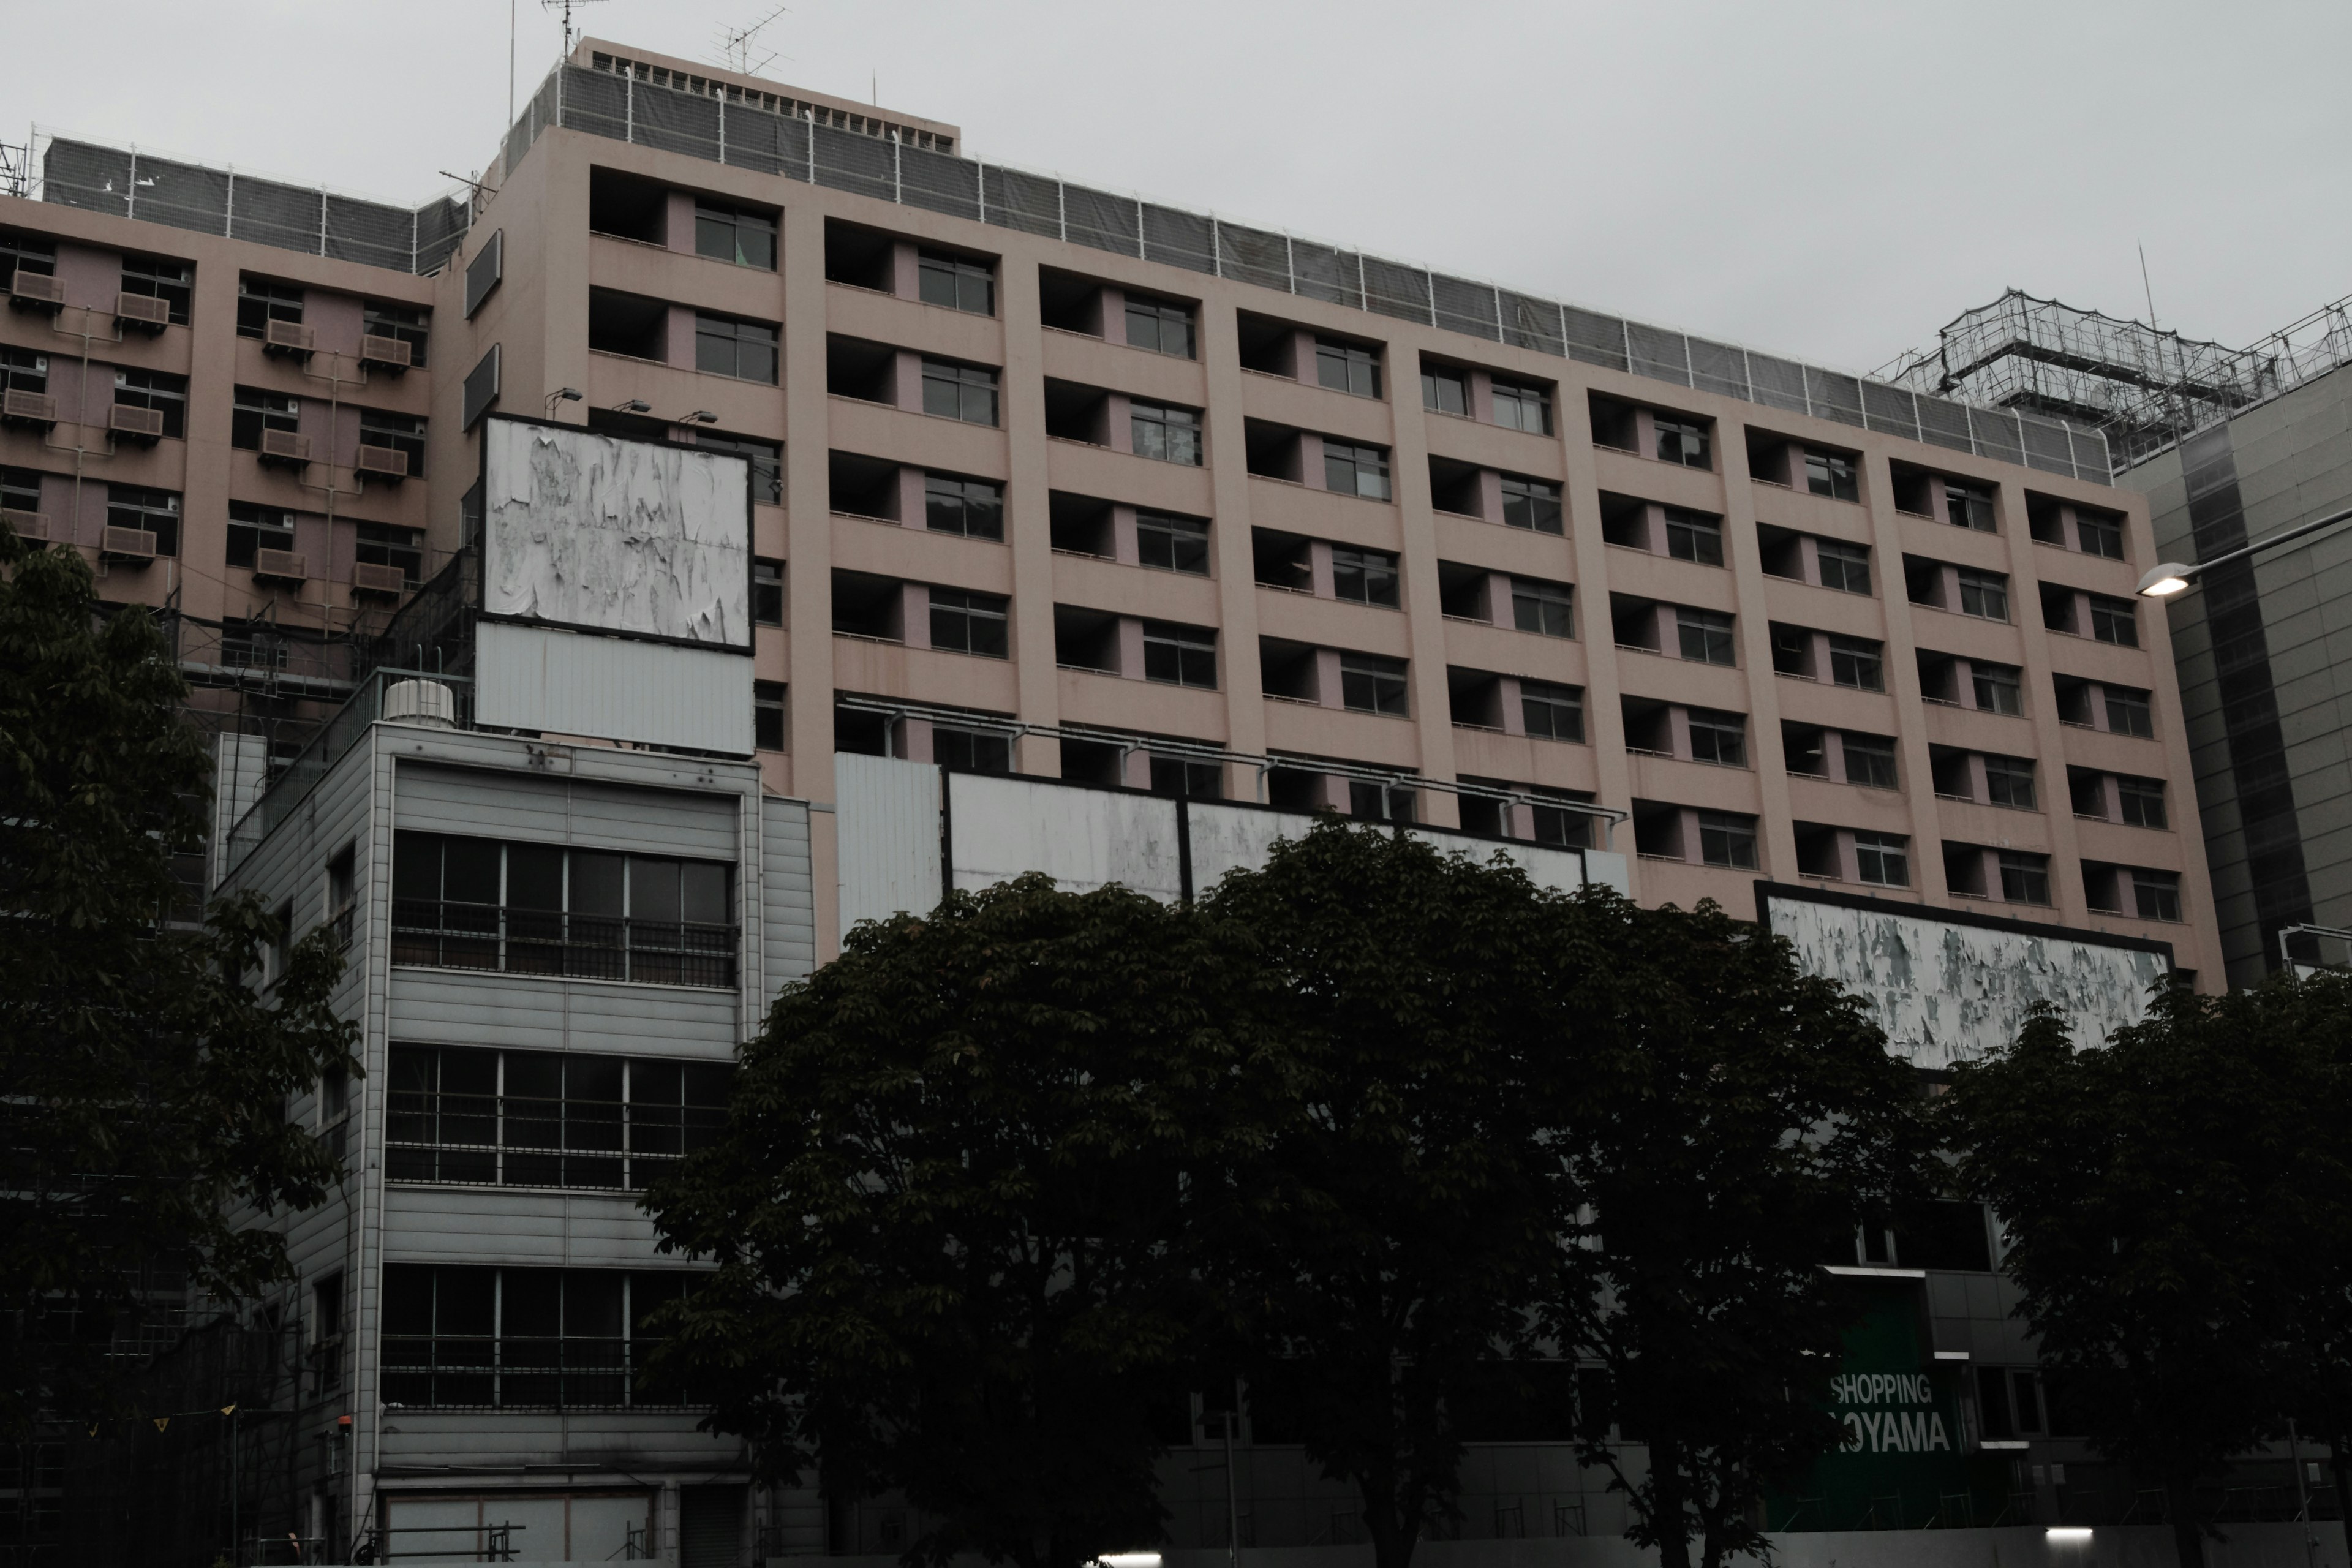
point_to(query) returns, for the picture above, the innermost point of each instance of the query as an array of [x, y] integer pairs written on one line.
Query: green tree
[[1375, 1257], [944, 1212], [2316, 1012], [2155, 1191], [143, 1075], [1721, 1124]]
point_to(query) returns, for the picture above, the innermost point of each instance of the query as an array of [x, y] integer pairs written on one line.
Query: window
[[20, 491], [2099, 534], [252, 412], [1552, 712], [971, 751], [1706, 635], [1883, 859], [1827, 474], [174, 282], [1162, 328], [768, 715], [543, 909], [1168, 433], [1845, 567], [1179, 656], [973, 508], [1694, 536], [400, 323], [1445, 390], [1532, 504], [1356, 470], [1518, 406], [259, 304], [401, 432], [957, 282], [766, 457], [1370, 684], [1547, 609], [1968, 506], [733, 233], [2024, 878], [1869, 759], [385, 544], [545, 1119], [744, 350], [1997, 687], [21, 370], [1377, 803], [465, 1335], [1345, 367], [1726, 838], [968, 622], [1984, 594], [1366, 577], [2155, 895], [768, 593], [1172, 543], [1792, 651], [2114, 621], [155, 512], [1557, 824], [255, 527], [1719, 738], [2088, 792], [24, 253], [1682, 441], [159, 390], [2128, 712], [2142, 801], [1855, 662], [2009, 781]]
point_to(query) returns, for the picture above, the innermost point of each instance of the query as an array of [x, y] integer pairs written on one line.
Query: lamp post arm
[[2285, 536]]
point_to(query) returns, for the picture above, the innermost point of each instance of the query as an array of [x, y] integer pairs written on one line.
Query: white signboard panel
[[582, 529], [1949, 992], [611, 689], [887, 819], [1082, 838]]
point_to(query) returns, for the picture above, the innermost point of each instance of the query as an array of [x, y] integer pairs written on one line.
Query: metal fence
[[744, 135]]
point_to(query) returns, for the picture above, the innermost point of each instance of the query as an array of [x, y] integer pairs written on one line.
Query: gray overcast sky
[[1833, 181]]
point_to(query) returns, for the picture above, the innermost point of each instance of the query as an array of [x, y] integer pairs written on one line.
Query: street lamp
[[2172, 577], [566, 395]]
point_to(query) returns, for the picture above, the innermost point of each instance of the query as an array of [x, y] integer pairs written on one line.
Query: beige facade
[[2015, 602]]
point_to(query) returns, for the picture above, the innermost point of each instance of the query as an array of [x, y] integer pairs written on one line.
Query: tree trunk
[[1393, 1543], [2188, 1534], [1666, 1517]]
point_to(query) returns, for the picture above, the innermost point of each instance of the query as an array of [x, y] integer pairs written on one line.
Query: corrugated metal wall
[[888, 823]]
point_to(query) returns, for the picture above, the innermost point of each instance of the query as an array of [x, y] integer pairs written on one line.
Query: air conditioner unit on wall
[[385, 354], [30, 290], [368, 578], [27, 525], [38, 409], [144, 425], [127, 544], [144, 312], [285, 565], [387, 463], [287, 338], [285, 447]]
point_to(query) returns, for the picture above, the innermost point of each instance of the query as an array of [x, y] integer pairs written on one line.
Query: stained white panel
[[1229, 836], [1607, 869], [617, 689], [582, 529], [1082, 838], [886, 817], [1560, 869], [1947, 993]]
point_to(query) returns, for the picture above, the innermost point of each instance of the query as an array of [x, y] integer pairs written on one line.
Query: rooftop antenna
[[738, 47], [563, 8]]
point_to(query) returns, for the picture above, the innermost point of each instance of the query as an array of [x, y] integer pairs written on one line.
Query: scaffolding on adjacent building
[[2144, 387]]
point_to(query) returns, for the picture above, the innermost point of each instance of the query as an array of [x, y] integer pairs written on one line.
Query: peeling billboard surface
[[1947, 993], [589, 530]]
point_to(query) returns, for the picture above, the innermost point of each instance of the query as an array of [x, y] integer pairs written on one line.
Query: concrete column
[[1302, 357], [912, 512], [1118, 424], [335, 319], [2111, 800], [905, 270], [1654, 527], [1646, 433], [915, 615], [914, 739], [1678, 733], [1327, 678], [906, 380], [1481, 391], [1499, 608], [1686, 841], [1809, 558], [1849, 864], [1490, 495], [678, 348], [92, 278], [1515, 713], [678, 224], [1833, 756], [1130, 647], [1110, 313], [1979, 790], [1947, 587], [1135, 770], [1310, 461], [1935, 501], [1319, 569], [1519, 821], [1124, 546]]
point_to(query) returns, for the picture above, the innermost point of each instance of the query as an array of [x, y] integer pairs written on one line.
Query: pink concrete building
[[1046, 476]]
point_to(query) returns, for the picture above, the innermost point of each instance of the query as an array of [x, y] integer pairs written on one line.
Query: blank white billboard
[[585, 530], [1949, 991], [611, 689]]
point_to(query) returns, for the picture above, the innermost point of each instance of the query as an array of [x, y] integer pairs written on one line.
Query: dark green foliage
[[143, 1079], [2171, 1200], [1720, 1125]]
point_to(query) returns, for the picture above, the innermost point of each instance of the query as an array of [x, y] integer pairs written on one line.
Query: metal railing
[[493, 1140], [447, 934]]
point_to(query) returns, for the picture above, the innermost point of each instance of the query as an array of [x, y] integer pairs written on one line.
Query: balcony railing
[[446, 935], [480, 1372], [517, 1140]]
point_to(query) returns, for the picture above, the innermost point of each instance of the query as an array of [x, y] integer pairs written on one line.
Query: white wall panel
[[887, 819], [787, 914], [1082, 838], [1948, 993], [620, 688], [553, 808], [1560, 869]]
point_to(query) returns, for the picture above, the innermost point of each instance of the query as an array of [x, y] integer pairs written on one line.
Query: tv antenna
[[738, 47], [563, 8]]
